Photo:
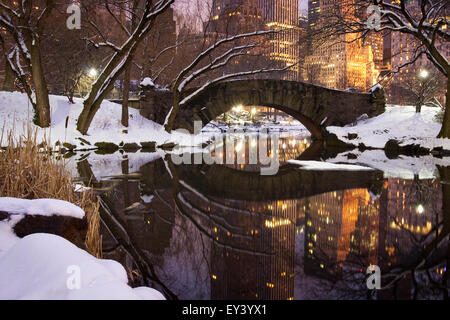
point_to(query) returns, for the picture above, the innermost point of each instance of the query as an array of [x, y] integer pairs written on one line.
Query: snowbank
[[42, 207], [16, 113], [41, 266], [320, 165], [45, 266], [19, 208], [398, 122], [404, 167]]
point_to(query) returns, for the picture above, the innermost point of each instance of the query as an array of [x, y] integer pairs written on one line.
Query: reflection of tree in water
[[170, 241]]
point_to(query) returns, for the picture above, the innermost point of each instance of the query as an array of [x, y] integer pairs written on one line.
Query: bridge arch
[[314, 106]]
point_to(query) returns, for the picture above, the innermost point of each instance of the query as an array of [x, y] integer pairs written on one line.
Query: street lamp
[[423, 74], [92, 73], [237, 108], [420, 209]]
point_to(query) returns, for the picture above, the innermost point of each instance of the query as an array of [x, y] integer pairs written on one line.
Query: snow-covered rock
[[42, 207], [45, 266]]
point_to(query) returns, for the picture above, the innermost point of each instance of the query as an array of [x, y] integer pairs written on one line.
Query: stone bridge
[[314, 106]]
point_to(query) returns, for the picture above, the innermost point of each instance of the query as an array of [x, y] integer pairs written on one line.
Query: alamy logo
[[374, 279], [74, 20], [374, 20], [74, 279]]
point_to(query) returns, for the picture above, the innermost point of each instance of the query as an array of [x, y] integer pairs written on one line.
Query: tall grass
[[32, 171]]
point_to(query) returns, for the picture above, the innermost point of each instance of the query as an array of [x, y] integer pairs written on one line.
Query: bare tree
[[23, 22], [425, 21], [422, 88], [228, 49], [121, 58], [8, 77]]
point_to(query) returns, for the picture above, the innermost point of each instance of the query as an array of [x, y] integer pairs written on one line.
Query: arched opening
[[265, 115], [257, 117], [243, 135]]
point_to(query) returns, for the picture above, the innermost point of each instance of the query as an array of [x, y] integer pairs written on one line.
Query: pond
[[224, 231]]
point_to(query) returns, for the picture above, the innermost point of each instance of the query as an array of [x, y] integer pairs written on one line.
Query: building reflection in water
[[212, 248], [252, 249], [244, 148]]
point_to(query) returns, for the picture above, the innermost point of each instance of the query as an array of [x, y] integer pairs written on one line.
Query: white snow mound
[[45, 266], [42, 207]]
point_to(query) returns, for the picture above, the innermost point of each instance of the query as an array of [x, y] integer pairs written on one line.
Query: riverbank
[[50, 242], [406, 130], [16, 113], [28, 173], [398, 123]]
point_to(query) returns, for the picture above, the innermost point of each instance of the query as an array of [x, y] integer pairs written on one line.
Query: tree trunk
[[125, 95], [87, 115], [445, 129], [171, 120], [418, 107], [40, 87], [8, 83]]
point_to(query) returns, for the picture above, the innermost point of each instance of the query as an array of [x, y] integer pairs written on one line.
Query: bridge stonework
[[315, 107]]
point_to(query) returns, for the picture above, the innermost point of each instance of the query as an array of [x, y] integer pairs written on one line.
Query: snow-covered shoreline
[[49, 267], [16, 113], [401, 123]]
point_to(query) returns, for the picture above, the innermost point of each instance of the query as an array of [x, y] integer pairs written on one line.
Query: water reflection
[[243, 152], [213, 232]]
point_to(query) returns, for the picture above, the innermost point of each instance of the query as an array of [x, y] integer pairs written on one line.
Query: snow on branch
[[178, 83], [226, 57], [123, 54], [208, 84]]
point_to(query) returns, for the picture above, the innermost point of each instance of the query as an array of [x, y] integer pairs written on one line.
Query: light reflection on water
[[211, 232]]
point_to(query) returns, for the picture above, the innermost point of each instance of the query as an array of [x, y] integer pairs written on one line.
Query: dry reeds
[[32, 171]]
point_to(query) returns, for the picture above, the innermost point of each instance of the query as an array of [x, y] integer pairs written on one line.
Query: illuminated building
[[313, 13], [342, 61], [230, 17], [283, 50]]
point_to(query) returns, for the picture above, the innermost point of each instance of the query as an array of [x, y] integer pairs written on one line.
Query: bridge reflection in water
[[213, 232]]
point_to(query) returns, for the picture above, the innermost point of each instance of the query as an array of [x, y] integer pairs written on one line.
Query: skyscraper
[[313, 12], [340, 61], [231, 17], [282, 15]]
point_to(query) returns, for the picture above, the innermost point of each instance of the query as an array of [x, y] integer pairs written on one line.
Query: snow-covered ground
[[398, 122], [425, 167], [45, 266], [16, 113]]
